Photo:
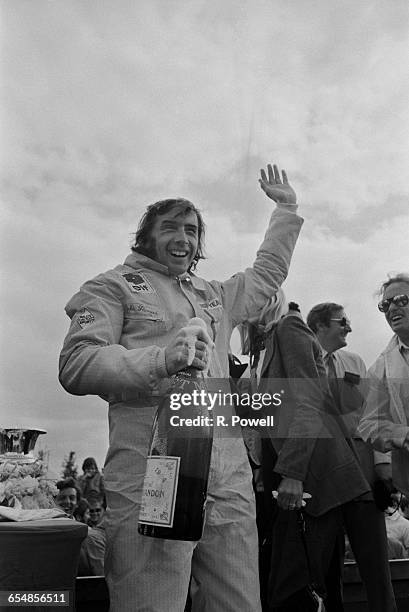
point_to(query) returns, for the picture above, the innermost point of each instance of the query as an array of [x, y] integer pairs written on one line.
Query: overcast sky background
[[108, 106]]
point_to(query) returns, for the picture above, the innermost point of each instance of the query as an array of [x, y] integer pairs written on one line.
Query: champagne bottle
[[175, 485]]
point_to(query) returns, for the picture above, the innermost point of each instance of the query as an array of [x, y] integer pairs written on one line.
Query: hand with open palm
[[277, 188]]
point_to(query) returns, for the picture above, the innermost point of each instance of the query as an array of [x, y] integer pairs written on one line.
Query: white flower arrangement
[[12, 469], [25, 486]]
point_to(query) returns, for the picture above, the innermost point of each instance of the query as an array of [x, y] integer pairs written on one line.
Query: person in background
[[404, 506], [305, 452], [91, 482], [129, 334], [81, 513], [385, 422], [96, 511], [364, 521], [91, 560], [93, 551], [397, 527], [69, 496]]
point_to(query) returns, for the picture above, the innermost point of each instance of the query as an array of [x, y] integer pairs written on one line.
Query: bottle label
[[159, 491]]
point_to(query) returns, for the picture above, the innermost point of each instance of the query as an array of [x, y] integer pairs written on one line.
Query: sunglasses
[[398, 300], [343, 322]]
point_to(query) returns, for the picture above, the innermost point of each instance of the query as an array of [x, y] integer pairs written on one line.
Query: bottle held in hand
[[177, 470]]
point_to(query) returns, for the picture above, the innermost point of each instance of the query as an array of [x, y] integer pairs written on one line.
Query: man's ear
[[321, 327]]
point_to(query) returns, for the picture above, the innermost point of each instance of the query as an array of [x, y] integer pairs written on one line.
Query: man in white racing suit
[[128, 335]]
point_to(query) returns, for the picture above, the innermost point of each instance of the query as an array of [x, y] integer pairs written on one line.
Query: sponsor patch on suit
[[85, 317], [138, 283]]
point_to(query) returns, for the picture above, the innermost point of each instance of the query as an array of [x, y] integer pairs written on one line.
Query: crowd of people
[[326, 468], [319, 449]]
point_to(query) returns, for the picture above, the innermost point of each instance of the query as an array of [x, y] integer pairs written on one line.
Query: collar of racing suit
[[137, 260]]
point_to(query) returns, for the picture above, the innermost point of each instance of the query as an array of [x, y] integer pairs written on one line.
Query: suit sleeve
[[306, 420]]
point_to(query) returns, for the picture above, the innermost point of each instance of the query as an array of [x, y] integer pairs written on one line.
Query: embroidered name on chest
[[138, 283], [212, 304], [142, 309]]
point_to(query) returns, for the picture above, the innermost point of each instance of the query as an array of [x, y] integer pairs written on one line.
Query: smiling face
[[96, 512], [67, 500], [175, 239], [333, 336], [398, 316]]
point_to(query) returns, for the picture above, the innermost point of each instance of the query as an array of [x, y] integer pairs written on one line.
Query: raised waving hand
[[277, 187]]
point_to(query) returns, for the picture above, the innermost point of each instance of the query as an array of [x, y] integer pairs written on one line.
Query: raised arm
[[246, 293]]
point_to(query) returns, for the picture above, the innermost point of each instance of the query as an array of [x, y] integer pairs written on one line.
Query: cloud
[[110, 107]]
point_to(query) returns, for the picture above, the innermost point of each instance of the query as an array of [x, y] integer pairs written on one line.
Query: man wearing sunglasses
[[364, 522], [331, 326], [385, 422]]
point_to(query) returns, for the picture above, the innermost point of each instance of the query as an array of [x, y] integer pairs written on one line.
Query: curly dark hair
[[143, 236], [69, 483]]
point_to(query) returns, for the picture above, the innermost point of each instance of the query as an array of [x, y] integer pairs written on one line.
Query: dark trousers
[[288, 573], [365, 526], [289, 569], [334, 578]]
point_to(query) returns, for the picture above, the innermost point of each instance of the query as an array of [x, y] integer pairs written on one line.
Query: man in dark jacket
[[364, 520], [309, 453]]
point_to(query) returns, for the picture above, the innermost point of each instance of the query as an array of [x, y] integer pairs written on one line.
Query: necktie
[[333, 379], [330, 363]]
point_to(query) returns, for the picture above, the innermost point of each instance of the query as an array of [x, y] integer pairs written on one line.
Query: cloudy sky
[[108, 106]]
